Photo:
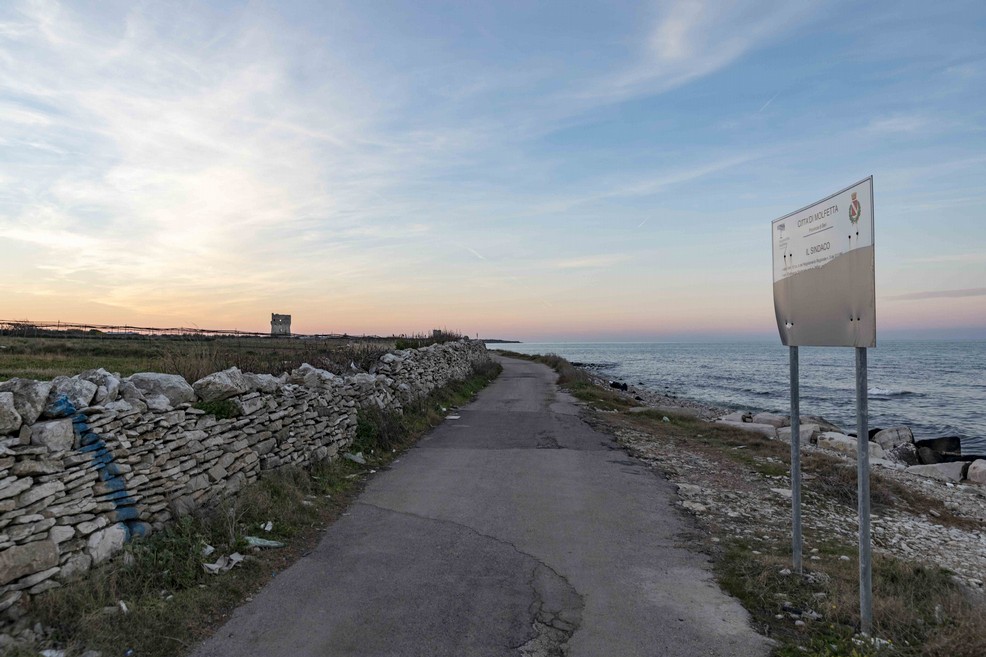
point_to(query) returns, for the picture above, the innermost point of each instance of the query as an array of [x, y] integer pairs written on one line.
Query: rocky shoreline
[[757, 507]]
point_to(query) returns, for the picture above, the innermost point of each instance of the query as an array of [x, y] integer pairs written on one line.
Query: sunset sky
[[537, 171]]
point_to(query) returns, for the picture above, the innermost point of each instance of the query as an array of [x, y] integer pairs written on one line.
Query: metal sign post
[[825, 296], [795, 463], [863, 494]]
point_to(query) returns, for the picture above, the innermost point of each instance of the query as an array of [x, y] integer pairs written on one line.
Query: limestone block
[[36, 493], [222, 385], [10, 419], [977, 472], [36, 578], [21, 560], [267, 383], [106, 542], [772, 419], [56, 435], [157, 403], [36, 467], [76, 565], [892, 437], [61, 533], [847, 444], [77, 392], [763, 429], [29, 397], [108, 385], [13, 486], [941, 471], [172, 386]]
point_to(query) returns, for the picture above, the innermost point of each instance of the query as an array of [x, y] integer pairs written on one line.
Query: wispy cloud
[[694, 38], [941, 294], [899, 123]]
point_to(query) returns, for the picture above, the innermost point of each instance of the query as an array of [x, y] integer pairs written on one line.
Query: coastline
[[931, 387]]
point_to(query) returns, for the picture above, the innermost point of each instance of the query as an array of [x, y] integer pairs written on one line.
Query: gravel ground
[[742, 502]]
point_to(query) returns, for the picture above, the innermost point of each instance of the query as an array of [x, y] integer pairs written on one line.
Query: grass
[[47, 357], [917, 607], [223, 409], [172, 603]]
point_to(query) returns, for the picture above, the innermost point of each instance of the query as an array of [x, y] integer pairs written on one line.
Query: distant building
[[280, 324]]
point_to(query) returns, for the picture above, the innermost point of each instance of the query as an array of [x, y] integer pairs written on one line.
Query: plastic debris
[[52, 653], [355, 458], [452, 417], [267, 526], [223, 564], [207, 550], [253, 541], [665, 419], [123, 607]]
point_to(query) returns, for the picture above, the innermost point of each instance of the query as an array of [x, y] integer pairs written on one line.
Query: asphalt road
[[513, 530]]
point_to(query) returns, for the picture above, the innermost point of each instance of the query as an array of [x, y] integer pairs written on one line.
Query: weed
[[223, 409]]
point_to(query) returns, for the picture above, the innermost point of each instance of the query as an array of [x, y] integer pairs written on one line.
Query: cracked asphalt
[[516, 530]]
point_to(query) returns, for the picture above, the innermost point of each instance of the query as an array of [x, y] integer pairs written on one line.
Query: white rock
[[221, 385], [107, 542], [805, 431], [158, 403], [29, 397], [892, 437], [941, 471], [56, 435], [977, 472], [78, 392], [772, 419], [172, 386], [263, 382], [847, 445], [108, 385], [10, 419]]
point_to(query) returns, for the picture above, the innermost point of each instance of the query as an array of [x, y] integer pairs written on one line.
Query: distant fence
[[41, 329]]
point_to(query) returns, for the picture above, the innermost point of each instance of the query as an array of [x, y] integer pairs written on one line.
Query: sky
[[533, 171]]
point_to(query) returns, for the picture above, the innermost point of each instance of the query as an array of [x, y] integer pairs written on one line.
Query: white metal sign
[[824, 289]]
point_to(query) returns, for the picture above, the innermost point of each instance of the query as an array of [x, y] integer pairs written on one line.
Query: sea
[[935, 388]]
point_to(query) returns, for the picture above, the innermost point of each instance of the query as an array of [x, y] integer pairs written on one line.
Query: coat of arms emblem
[[854, 209]]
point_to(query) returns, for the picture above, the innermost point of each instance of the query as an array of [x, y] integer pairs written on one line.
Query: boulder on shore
[[893, 437], [941, 471], [808, 433], [977, 471], [843, 443], [772, 419], [822, 423], [941, 445]]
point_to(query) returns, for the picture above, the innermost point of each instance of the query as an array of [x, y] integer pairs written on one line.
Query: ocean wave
[[887, 392]]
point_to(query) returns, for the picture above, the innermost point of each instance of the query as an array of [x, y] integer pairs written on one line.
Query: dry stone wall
[[88, 462]]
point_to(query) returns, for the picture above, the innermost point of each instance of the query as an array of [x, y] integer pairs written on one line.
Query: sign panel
[[824, 276]]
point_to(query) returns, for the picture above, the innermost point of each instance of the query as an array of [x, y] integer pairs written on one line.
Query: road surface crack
[[556, 606]]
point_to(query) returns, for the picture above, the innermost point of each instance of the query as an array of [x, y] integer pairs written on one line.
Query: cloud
[[899, 123], [941, 294], [694, 38]]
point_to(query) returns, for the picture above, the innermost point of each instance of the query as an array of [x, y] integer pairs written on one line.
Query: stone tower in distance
[[280, 324]]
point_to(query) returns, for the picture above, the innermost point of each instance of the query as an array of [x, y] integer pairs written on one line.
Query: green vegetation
[[192, 357], [171, 602], [223, 409], [918, 608]]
